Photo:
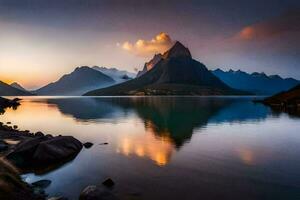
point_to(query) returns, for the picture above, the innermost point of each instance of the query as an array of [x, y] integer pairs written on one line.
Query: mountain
[[257, 83], [118, 75], [288, 101], [18, 86], [175, 74], [81, 80], [149, 65], [7, 90]]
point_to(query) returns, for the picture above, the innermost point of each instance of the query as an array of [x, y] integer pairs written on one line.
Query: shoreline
[[24, 151]]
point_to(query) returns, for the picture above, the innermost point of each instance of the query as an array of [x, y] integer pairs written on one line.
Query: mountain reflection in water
[[202, 143], [169, 122]]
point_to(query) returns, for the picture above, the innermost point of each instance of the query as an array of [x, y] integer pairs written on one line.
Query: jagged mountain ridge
[[150, 64], [257, 83]]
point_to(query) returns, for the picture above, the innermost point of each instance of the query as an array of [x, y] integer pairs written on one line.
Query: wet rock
[[12, 186], [39, 134], [43, 151], [41, 183], [57, 198], [108, 183], [49, 136], [93, 192], [3, 146], [40, 192], [88, 145]]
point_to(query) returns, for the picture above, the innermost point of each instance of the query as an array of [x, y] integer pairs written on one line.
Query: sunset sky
[[42, 39]]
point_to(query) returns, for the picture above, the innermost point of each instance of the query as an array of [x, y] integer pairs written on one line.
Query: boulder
[[44, 151], [41, 183], [88, 145], [39, 134], [108, 183], [3, 146], [93, 192], [58, 198]]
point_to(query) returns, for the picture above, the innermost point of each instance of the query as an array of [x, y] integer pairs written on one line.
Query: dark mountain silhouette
[[118, 75], [18, 86], [7, 90], [257, 83], [176, 74], [81, 80], [288, 101]]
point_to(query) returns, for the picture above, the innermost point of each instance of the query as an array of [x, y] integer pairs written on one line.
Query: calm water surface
[[170, 147]]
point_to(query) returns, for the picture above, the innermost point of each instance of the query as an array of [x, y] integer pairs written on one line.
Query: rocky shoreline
[[24, 151], [7, 103]]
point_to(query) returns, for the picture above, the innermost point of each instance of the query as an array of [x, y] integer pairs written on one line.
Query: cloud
[[289, 22], [161, 43]]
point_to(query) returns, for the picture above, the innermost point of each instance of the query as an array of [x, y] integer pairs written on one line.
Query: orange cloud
[[280, 26], [159, 44], [247, 33]]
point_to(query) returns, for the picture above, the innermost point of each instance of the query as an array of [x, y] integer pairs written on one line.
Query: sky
[[40, 40]]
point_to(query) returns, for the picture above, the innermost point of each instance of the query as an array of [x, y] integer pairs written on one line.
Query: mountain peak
[[178, 50], [18, 86], [82, 68]]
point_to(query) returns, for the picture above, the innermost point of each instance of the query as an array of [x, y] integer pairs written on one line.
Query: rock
[[8, 122], [39, 134], [108, 183], [3, 146], [93, 192], [57, 198], [15, 127], [11, 185], [49, 136], [104, 143], [41, 183], [88, 145], [42, 151]]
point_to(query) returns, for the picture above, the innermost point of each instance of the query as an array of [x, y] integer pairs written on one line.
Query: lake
[[170, 147]]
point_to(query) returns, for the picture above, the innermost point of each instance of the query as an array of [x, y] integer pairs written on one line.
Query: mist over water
[[170, 147]]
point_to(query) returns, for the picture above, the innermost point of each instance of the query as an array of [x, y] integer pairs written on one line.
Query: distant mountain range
[[8, 90], [175, 74], [257, 83], [118, 75], [81, 80]]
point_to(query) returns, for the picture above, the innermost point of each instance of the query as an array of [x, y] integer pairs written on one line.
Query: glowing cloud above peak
[[159, 44]]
